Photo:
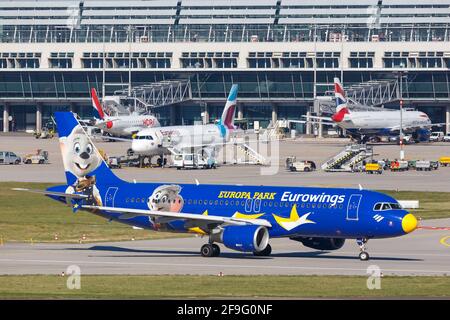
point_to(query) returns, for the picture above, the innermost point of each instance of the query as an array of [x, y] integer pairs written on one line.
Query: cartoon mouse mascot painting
[[81, 159], [165, 198]]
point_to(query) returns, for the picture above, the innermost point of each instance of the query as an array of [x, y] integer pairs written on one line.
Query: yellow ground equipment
[[444, 161], [372, 168]]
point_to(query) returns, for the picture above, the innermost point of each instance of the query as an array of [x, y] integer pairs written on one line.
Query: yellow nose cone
[[409, 223]]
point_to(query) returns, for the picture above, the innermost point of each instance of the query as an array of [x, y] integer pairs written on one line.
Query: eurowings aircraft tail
[[96, 103], [83, 163], [227, 118], [341, 101]]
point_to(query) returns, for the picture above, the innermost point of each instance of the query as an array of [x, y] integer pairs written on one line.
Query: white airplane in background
[[122, 125], [174, 139], [384, 122]]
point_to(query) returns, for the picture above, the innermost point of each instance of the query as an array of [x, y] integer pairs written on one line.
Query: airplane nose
[[409, 223]]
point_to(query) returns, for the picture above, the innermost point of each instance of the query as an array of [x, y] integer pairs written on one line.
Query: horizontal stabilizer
[[54, 193]]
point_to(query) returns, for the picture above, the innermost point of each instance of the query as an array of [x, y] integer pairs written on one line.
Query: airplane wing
[[189, 217], [112, 138], [54, 193], [325, 120], [397, 128]]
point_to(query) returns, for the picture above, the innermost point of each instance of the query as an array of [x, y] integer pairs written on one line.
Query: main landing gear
[[213, 250], [210, 250], [363, 255]]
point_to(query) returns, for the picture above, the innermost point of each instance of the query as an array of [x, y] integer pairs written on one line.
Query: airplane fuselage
[[383, 122], [125, 126], [157, 141], [292, 211]]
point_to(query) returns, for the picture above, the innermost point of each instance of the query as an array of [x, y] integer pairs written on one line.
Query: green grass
[[433, 205], [148, 287], [33, 217]]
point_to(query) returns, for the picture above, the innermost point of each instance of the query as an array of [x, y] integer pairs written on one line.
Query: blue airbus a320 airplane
[[242, 218]]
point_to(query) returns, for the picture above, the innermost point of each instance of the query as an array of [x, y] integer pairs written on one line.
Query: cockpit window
[[396, 206], [381, 206], [144, 137]]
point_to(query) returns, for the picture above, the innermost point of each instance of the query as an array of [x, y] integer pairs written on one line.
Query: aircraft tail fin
[[96, 103], [82, 160], [341, 101], [229, 111]]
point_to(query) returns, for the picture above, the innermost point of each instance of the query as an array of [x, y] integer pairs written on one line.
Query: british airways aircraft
[[384, 122], [242, 218]]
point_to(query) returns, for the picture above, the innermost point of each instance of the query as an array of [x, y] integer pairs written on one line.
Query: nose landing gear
[[363, 255]]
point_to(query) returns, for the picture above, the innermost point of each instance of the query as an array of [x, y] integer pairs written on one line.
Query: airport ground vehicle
[[7, 157], [44, 134], [446, 138], [40, 157], [294, 165], [114, 162], [444, 161], [425, 165], [399, 165], [373, 167], [437, 136], [193, 161], [233, 215], [407, 139]]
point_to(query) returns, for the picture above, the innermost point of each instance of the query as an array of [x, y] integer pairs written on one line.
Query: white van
[[7, 157], [437, 136]]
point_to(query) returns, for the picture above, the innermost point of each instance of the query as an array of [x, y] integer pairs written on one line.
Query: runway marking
[[220, 266], [443, 241]]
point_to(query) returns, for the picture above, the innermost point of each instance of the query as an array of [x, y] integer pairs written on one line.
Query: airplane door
[[353, 206], [248, 205], [110, 196]]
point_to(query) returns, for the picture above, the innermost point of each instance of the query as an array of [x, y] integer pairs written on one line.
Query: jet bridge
[[368, 95], [143, 99]]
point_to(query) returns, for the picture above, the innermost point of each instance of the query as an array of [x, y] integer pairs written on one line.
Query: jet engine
[[321, 243], [243, 238]]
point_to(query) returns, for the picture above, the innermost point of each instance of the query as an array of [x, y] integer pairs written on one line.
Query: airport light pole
[[400, 75]]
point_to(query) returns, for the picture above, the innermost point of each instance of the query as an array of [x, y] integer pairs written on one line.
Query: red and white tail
[[96, 103], [341, 101]]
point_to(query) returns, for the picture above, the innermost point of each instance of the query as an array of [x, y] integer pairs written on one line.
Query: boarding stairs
[[251, 155], [348, 158]]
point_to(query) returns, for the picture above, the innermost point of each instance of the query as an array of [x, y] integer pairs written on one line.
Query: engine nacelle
[[321, 243], [243, 238]]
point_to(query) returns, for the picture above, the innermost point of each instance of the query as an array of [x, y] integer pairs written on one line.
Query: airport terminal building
[[282, 53]]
